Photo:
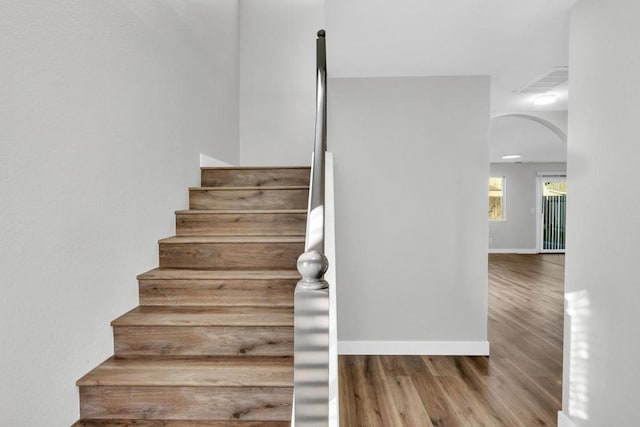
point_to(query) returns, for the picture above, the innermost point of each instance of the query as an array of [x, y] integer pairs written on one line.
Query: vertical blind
[[554, 206]]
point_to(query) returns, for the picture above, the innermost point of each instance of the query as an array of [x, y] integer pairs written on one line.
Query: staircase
[[211, 343]]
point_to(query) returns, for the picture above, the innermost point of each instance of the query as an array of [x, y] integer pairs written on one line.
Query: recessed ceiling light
[[545, 99], [511, 156]]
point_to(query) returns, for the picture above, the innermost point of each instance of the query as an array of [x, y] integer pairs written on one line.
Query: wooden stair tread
[[253, 167], [206, 316], [254, 176], [186, 287], [187, 403], [251, 188], [239, 211], [196, 274], [212, 342], [251, 176], [232, 239], [235, 222], [215, 252], [179, 423], [249, 197], [196, 372]]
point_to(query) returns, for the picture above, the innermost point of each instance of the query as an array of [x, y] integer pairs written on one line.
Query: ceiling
[[513, 41]]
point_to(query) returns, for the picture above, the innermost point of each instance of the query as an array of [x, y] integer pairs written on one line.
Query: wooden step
[[179, 423], [231, 252], [255, 176], [186, 389], [225, 198], [182, 287], [195, 372], [204, 331], [212, 342], [188, 403], [206, 316], [241, 222]]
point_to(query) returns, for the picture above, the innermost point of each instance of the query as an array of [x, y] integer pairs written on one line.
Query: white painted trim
[[539, 211], [330, 276], [431, 348], [544, 122], [209, 162], [564, 420], [513, 251], [560, 174], [293, 412]]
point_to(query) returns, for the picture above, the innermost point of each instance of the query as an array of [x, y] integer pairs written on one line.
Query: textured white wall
[[557, 118], [411, 170], [105, 107], [277, 80], [602, 286], [533, 141], [519, 230]]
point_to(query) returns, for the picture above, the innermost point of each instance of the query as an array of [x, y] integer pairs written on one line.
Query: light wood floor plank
[[520, 385]]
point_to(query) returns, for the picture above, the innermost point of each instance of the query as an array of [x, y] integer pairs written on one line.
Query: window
[[496, 198]]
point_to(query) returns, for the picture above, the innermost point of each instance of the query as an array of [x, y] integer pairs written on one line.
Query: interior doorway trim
[[544, 122]]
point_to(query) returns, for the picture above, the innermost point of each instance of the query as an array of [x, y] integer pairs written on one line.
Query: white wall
[[535, 142], [602, 282], [277, 80], [517, 233], [411, 170], [105, 107], [559, 119]]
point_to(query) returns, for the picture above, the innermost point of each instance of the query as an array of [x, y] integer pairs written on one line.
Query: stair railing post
[[311, 305]]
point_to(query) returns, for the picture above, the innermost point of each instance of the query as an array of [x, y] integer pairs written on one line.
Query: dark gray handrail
[[313, 263], [315, 220]]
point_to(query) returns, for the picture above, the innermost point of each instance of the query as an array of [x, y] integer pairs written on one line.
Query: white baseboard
[[431, 348], [564, 420], [513, 251]]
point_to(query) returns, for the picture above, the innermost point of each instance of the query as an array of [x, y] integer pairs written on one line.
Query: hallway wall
[[105, 107], [411, 173], [277, 80], [602, 287]]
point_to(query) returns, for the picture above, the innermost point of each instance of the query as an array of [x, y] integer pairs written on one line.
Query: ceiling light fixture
[[546, 99], [511, 156]]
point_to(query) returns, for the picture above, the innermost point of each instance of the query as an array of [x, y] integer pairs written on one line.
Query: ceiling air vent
[[554, 77]]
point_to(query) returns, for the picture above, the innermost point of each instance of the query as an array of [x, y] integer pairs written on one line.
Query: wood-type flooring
[[519, 385]]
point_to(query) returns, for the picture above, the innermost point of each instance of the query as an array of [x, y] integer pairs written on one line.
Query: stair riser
[[254, 177], [283, 224], [203, 341], [217, 292], [189, 403], [248, 199], [179, 423], [204, 348], [230, 256]]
